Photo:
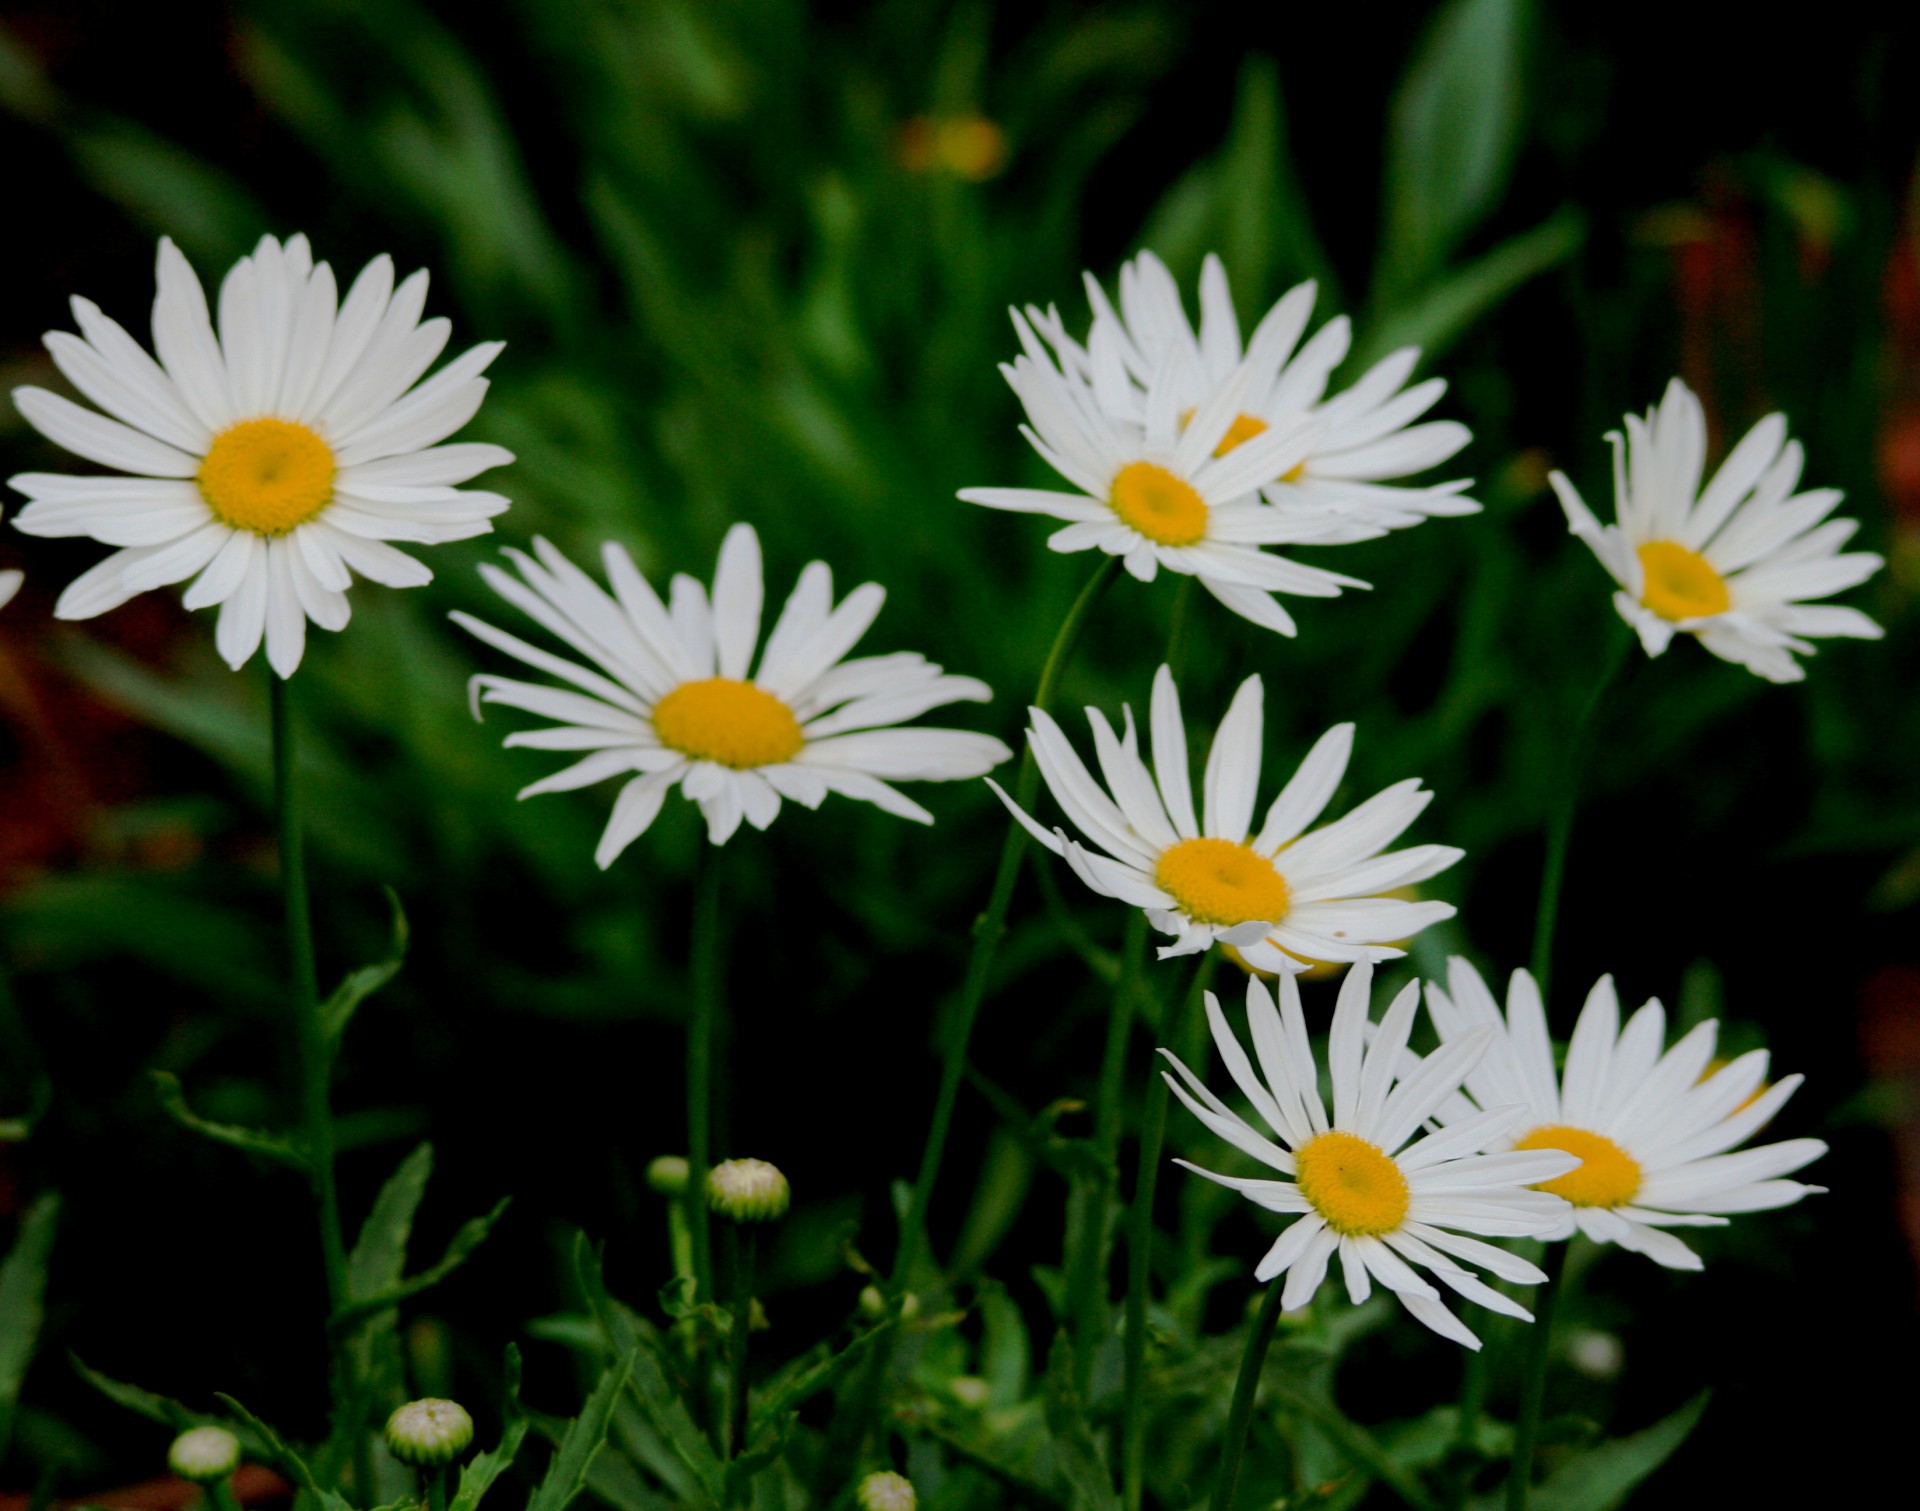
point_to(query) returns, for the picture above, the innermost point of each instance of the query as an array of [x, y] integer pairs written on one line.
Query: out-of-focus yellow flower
[[1322, 970], [967, 145]]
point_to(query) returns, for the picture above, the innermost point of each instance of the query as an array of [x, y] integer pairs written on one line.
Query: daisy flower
[[1366, 440], [270, 462], [1733, 565], [1359, 1181], [1159, 493], [1281, 897], [1652, 1126], [668, 701]]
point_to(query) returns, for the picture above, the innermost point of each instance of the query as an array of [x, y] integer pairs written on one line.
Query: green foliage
[[23, 1286]]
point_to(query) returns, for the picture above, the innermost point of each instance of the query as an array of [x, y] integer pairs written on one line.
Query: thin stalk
[[1153, 1136], [1533, 1381], [1245, 1390], [709, 1003], [313, 1054], [987, 931], [742, 1244], [1567, 805], [220, 1496], [1466, 1438], [1087, 1273], [436, 1497]]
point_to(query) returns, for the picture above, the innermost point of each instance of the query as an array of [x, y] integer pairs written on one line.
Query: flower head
[[1160, 493], [886, 1491], [270, 462], [204, 1455], [429, 1433], [748, 1190], [1734, 564], [1652, 1131], [668, 700], [1362, 1185], [1365, 438], [1280, 896]]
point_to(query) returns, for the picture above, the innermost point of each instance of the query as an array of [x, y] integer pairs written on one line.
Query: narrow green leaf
[[275, 1450], [23, 1288], [471, 1235], [338, 1010], [767, 1444], [566, 1476], [1089, 1481], [173, 1100], [380, 1255], [478, 1475], [1602, 1477], [808, 1383]]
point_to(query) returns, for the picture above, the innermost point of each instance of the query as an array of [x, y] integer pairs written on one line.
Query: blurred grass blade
[[23, 1289]]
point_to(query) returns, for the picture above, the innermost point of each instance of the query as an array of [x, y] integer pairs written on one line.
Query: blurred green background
[[752, 260]]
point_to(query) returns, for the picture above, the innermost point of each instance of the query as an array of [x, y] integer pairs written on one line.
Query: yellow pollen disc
[[1609, 1176], [1159, 505], [266, 476], [1679, 583], [1216, 881], [729, 722], [1244, 428], [1359, 1190], [1294, 473]]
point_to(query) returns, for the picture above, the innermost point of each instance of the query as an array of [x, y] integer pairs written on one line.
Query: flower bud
[[886, 1491], [873, 1304], [668, 1174], [204, 1455], [429, 1433], [970, 1390], [747, 1190]]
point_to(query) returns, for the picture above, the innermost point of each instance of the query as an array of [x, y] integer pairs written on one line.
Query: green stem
[[436, 1479], [704, 1028], [1533, 1382], [742, 1244], [1245, 1390], [1560, 825], [1359, 1445], [1153, 1135], [1086, 1279], [313, 1053], [220, 1496], [1465, 1453], [987, 931]]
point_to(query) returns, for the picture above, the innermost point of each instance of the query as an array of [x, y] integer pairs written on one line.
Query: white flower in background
[[1734, 564], [274, 460], [1366, 438], [1158, 492], [1652, 1125], [1363, 1186], [1276, 895], [9, 585], [668, 695]]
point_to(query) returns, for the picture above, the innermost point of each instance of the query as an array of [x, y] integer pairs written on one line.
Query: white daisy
[[668, 695], [1734, 564], [1651, 1125], [1366, 438], [276, 459], [1362, 1185], [1158, 493], [1281, 897]]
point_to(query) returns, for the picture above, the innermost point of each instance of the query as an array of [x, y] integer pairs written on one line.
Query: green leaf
[[477, 1477], [566, 1476], [338, 1010], [1005, 1348], [23, 1288], [173, 1100], [765, 1446], [379, 1256], [1452, 139], [1602, 1478], [1089, 1481], [275, 1450], [1443, 310], [470, 1236], [807, 1383]]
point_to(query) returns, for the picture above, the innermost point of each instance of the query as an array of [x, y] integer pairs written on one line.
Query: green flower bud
[[668, 1174], [429, 1433], [747, 1190], [886, 1491], [204, 1455]]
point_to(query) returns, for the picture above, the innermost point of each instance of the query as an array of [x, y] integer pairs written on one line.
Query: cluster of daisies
[[275, 446]]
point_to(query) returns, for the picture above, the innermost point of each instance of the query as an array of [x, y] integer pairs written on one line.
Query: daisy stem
[[1153, 1136], [1245, 1389], [1533, 1380], [740, 1241], [1560, 825], [313, 1051], [702, 1032], [987, 930]]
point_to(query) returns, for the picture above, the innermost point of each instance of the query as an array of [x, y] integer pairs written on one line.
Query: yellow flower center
[[1216, 881], [729, 722], [1358, 1189], [1243, 429], [1162, 507], [1607, 1177], [1679, 583], [266, 476], [1719, 1063]]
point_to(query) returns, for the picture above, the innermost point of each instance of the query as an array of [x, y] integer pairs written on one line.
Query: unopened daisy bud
[[747, 1190], [204, 1455], [886, 1491], [429, 1433], [668, 1174]]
